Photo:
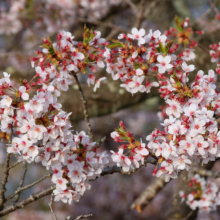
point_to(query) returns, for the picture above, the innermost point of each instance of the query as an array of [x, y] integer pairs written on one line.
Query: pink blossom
[[164, 63]]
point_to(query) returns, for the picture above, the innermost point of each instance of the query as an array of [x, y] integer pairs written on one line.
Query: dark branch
[[85, 111], [16, 198], [28, 200], [83, 216], [148, 194], [3, 183], [28, 186], [206, 173], [51, 206], [48, 191]]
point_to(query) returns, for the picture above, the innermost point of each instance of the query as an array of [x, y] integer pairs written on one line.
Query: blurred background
[[22, 25]]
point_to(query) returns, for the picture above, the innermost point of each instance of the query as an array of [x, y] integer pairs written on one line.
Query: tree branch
[[206, 173], [140, 14], [178, 210], [6, 174], [214, 7], [49, 190], [115, 169], [51, 206], [148, 194], [3, 183], [85, 111], [28, 200], [133, 6], [83, 216], [16, 198], [28, 186], [14, 165]]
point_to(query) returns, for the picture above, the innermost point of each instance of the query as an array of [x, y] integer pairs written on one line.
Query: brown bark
[[148, 194], [178, 210]]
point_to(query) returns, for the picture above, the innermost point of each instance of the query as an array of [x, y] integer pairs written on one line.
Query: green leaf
[[51, 51], [178, 23], [168, 46], [115, 45], [162, 48], [88, 35]]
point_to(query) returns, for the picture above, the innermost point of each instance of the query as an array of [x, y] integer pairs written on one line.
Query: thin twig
[[140, 14], [51, 206], [99, 142], [150, 7], [85, 111], [132, 5], [15, 164], [16, 198], [83, 216], [203, 15], [28, 186], [187, 217], [214, 7], [115, 169], [201, 47], [113, 32]]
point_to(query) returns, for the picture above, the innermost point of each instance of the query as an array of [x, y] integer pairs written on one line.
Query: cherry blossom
[[204, 194], [136, 85], [188, 68], [138, 35], [164, 63]]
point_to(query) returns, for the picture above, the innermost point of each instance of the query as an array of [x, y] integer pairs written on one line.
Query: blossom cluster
[[135, 57], [215, 54], [190, 128], [190, 131], [131, 154], [203, 195], [39, 131], [57, 60]]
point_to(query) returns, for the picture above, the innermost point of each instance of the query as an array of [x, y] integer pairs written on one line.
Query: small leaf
[[178, 23]]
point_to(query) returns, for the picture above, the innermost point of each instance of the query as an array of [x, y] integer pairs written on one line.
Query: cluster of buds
[[131, 154], [203, 195], [182, 34]]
